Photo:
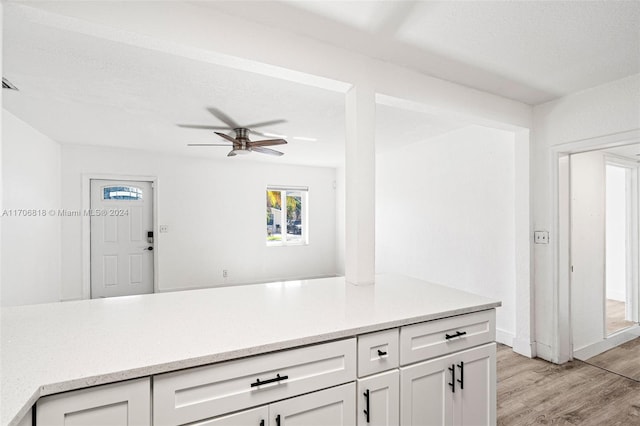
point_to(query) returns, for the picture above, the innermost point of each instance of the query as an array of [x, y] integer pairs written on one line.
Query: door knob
[[149, 248]]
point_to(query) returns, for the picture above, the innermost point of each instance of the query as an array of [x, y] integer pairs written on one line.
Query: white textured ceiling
[[80, 89], [531, 51]]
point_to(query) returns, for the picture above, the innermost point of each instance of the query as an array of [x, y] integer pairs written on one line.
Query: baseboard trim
[[611, 342], [504, 337], [524, 347]]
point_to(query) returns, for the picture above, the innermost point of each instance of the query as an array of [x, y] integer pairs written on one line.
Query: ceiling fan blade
[[268, 142], [223, 117], [231, 154], [227, 137], [198, 126], [269, 151], [208, 144], [266, 123]]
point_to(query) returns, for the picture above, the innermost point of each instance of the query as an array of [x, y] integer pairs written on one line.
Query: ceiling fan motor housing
[[242, 135]]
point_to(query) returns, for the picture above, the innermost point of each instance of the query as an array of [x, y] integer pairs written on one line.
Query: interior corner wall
[[603, 110], [30, 232], [215, 213], [445, 213]]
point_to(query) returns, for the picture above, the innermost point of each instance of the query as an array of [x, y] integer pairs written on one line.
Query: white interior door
[[121, 248]]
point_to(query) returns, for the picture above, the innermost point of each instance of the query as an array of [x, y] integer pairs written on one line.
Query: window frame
[[304, 215]]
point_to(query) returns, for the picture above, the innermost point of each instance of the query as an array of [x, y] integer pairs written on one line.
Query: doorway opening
[[602, 223], [621, 244], [121, 238]]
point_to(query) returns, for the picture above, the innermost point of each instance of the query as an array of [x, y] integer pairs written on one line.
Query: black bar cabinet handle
[[452, 336], [461, 379], [381, 352], [278, 420], [366, 410], [278, 377], [262, 422], [452, 369]]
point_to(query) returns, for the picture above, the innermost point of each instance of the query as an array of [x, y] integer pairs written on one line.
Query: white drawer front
[[378, 352], [203, 392], [435, 338]]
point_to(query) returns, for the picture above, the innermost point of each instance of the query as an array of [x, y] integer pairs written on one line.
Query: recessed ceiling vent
[[6, 84]]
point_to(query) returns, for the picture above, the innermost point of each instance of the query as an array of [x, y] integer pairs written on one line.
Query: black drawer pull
[[381, 352], [452, 369], [262, 422], [278, 420], [278, 377], [461, 379], [367, 410], [453, 336]]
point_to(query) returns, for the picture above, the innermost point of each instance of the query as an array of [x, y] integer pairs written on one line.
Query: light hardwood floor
[[615, 316], [623, 360], [535, 392]]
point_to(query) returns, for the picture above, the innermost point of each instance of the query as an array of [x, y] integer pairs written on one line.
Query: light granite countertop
[[57, 347]]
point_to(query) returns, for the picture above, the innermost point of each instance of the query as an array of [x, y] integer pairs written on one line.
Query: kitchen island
[[53, 348]]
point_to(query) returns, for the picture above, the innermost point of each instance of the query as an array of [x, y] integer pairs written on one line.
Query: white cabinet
[[254, 417], [334, 406], [205, 392], [440, 372], [457, 389], [119, 404], [378, 352], [379, 399], [431, 339]]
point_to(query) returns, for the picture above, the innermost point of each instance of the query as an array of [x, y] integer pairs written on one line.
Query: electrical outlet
[[541, 237], [225, 273], [164, 228]]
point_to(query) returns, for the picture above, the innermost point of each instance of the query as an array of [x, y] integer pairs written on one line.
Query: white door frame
[[562, 349], [86, 225]]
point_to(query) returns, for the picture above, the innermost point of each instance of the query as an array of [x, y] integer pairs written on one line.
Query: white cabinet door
[[379, 399], [334, 406], [254, 417], [457, 389], [475, 396], [119, 404], [427, 397]]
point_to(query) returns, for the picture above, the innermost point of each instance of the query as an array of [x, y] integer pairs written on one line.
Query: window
[[121, 193], [287, 215]]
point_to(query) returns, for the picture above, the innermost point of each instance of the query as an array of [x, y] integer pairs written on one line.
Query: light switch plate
[[541, 237]]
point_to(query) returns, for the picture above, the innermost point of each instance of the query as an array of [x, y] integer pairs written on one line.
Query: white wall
[[616, 228], [445, 213], [604, 110], [587, 248], [30, 245], [215, 211]]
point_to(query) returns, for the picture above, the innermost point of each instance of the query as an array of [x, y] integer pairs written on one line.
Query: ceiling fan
[[241, 144]]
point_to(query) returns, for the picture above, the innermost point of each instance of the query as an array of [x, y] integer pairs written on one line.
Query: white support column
[[360, 185], [523, 342]]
